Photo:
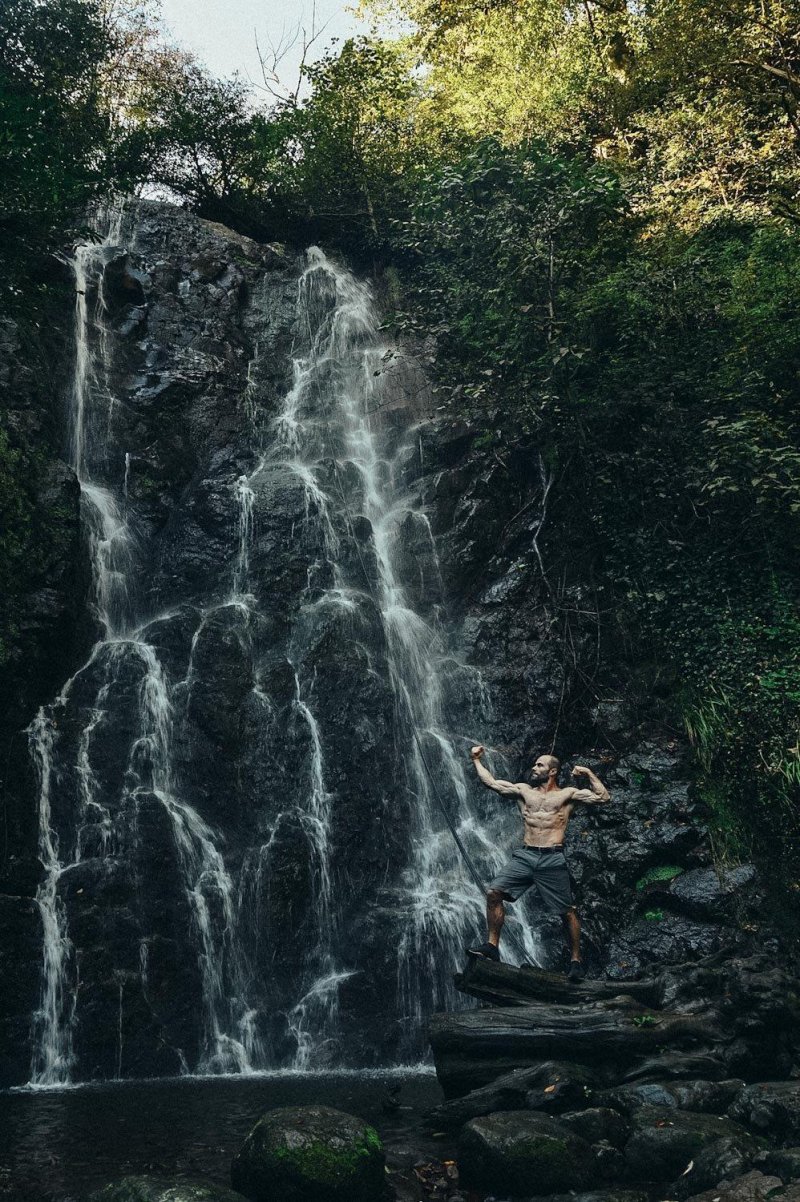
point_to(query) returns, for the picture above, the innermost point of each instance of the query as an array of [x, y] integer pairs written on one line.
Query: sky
[[222, 33]]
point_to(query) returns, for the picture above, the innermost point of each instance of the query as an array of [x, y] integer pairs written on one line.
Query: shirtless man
[[546, 809]]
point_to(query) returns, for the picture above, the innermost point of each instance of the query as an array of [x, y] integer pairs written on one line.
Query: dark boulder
[[771, 1108], [310, 1154], [723, 1160], [661, 938], [523, 1153], [552, 1086], [706, 1097], [598, 1124], [780, 1162], [705, 894], [752, 1187], [664, 1143]]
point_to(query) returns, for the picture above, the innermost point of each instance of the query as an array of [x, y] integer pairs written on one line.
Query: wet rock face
[[244, 819], [310, 1154]]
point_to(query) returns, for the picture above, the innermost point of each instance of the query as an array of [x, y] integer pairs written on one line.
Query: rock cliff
[[298, 590]]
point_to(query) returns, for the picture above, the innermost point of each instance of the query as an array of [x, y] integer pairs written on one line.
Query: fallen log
[[505, 985], [473, 1048]]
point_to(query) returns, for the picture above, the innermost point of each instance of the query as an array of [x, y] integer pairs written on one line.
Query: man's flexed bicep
[[597, 794], [504, 787]]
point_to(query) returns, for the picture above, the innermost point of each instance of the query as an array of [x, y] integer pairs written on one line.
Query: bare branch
[[274, 55]]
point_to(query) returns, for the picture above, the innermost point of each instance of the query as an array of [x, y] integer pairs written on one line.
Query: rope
[[511, 937]]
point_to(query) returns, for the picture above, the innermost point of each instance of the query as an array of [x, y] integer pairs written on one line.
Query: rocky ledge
[[676, 1085]]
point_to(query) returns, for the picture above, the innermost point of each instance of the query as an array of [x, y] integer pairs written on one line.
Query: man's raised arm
[[504, 787], [596, 794]]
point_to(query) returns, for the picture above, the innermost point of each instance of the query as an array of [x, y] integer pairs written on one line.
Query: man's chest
[[539, 807]]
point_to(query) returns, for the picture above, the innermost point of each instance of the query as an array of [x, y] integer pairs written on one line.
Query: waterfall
[[92, 832], [191, 776], [336, 445]]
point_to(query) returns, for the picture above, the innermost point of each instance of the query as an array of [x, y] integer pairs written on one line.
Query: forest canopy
[[594, 210]]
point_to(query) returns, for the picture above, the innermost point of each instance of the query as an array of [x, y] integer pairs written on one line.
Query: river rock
[[552, 1086], [664, 1142], [706, 1097], [599, 1123], [723, 1160], [751, 1187], [770, 1107], [523, 1153], [780, 1162], [155, 1189], [310, 1154]]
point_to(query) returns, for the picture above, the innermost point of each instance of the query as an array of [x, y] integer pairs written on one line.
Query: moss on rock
[[310, 1154]]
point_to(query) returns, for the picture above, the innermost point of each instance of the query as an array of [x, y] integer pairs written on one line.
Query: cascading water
[[298, 694], [90, 830], [330, 428]]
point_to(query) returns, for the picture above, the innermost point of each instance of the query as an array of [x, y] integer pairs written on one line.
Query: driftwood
[[504, 985], [474, 1047]]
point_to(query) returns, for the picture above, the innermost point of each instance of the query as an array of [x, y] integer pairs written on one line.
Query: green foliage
[[592, 209], [644, 1020], [50, 122], [661, 873], [653, 915]]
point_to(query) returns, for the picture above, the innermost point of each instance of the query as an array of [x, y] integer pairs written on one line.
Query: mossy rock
[[310, 1154], [518, 1152], [157, 1189]]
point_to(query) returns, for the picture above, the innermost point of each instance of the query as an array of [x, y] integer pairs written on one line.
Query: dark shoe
[[576, 971], [486, 951]]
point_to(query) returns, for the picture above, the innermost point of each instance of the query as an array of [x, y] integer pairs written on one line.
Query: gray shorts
[[544, 867]]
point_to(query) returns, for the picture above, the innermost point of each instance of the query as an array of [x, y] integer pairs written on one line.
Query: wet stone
[[771, 1108], [751, 1187], [155, 1189], [599, 1123], [664, 1142], [712, 1097], [523, 1153], [724, 1160], [310, 1154], [780, 1162]]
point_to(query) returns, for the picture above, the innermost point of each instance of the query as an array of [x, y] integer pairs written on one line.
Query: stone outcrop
[[310, 1154], [650, 1090]]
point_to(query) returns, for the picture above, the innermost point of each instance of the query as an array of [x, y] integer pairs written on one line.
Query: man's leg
[[495, 915], [572, 931]]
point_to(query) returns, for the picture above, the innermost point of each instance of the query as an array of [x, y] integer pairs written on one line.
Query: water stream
[[116, 815]]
